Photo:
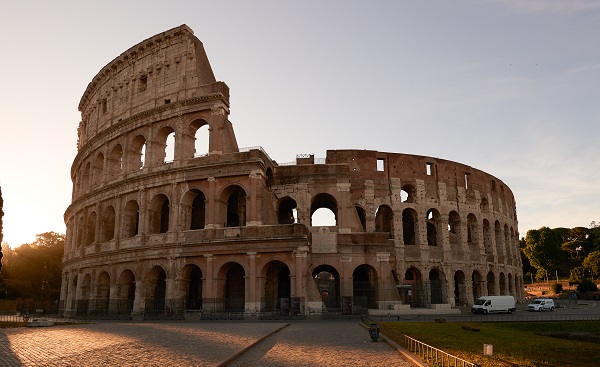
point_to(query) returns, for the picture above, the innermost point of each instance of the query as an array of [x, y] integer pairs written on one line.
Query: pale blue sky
[[509, 87]]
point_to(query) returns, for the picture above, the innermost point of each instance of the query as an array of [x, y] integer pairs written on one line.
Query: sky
[[508, 87]]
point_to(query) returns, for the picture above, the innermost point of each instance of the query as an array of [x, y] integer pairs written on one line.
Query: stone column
[[251, 300], [139, 302], [208, 298]]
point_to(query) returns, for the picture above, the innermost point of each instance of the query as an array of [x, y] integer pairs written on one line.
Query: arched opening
[[503, 285], [499, 240], [236, 207], [362, 217], [170, 148], [107, 225], [433, 224], [511, 289], [327, 280], [491, 284], [90, 236], [476, 284], [287, 214], [131, 219], [235, 288], [435, 284], [454, 231], [460, 288], [98, 169], [487, 240], [84, 301], [269, 177], [137, 154], [159, 214], [125, 292], [412, 289], [384, 220], [115, 161], [103, 294], [156, 290], [472, 230], [364, 285], [87, 177], [409, 225], [323, 211], [193, 292], [195, 201], [407, 194], [484, 205], [277, 288], [200, 130]]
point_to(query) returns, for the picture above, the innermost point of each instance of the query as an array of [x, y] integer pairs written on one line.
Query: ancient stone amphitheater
[[170, 217]]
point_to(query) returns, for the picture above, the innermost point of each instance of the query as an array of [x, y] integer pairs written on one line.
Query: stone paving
[[302, 343]]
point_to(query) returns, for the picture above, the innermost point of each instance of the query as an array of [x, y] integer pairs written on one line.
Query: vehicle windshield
[[480, 302], [537, 302]]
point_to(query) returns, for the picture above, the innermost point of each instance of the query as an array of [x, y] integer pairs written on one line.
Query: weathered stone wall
[[156, 226]]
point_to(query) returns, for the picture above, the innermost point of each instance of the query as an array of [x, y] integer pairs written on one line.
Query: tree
[[1, 234], [543, 249], [592, 262]]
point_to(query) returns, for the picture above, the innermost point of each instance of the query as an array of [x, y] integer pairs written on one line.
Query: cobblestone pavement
[[129, 344], [302, 343], [321, 343]]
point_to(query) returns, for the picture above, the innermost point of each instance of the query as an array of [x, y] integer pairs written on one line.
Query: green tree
[[1, 233], [543, 249], [592, 262]]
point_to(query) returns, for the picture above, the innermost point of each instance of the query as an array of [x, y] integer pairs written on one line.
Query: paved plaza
[[299, 343]]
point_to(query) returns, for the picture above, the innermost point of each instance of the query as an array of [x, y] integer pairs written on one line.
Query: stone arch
[[436, 286], [192, 277], [269, 179], [503, 285], [323, 201], [410, 227], [125, 292], [232, 287], [487, 240], [131, 219], [511, 285], [287, 212], [90, 235], [107, 224], [80, 232], [155, 283], [412, 290], [507, 244], [472, 230], [499, 239], [136, 157], [491, 284], [86, 183], [433, 227], [115, 161], [199, 129], [235, 198], [84, 300], [327, 280], [460, 288], [384, 220], [158, 214], [364, 287], [164, 145], [454, 231], [484, 205], [362, 216], [103, 293], [194, 209], [408, 194], [277, 286], [98, 169]]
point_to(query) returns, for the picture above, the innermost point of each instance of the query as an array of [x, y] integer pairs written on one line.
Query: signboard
[[488, 349]]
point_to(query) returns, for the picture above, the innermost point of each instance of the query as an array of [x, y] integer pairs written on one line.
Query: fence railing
[[433, 356]]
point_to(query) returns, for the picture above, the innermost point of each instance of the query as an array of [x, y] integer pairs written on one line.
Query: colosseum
[[170, 217]]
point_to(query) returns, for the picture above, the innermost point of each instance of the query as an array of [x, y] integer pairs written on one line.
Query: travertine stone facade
[[168, 215]]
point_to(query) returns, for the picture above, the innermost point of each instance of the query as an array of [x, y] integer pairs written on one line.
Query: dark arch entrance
[[193, 299], [460, 288], [125, 292], [235, 288], [364, 283], [277, 287], [436, 287], [156, 291], [327, 280]]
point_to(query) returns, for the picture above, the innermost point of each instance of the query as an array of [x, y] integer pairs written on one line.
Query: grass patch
[[514, 343]]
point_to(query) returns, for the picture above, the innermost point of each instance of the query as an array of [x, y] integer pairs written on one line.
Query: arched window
[[454, 229], [362, 217], [409, 227], [90, 236], [199, 129], [137, 154], [107, 225], [323, 211], [159, 214], [131, 219], [408, 194], [115, 161], [384, 220], [98, 169], [236, 206], [287, 213], [433, 225]]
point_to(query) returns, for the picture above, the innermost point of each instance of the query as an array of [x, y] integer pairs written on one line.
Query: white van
[[541, 304], [494, 304]]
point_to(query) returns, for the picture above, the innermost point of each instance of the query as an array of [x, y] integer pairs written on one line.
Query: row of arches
[[165, 146]]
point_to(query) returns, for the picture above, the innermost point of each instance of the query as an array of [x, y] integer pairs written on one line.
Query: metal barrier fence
[[31, 317], [518, 317], [433, 356]]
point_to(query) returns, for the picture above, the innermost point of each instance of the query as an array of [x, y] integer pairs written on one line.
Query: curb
[[248, 348]]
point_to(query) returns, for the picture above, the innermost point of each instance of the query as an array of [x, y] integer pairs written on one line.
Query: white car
[[541, 304]]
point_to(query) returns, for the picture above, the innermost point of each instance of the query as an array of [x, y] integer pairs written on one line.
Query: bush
[[557, 288], [587, 286]]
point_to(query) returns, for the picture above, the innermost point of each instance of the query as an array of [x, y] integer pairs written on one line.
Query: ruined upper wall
[[166, 68]]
